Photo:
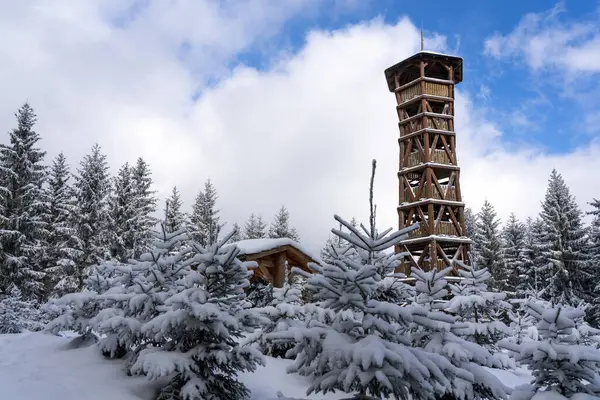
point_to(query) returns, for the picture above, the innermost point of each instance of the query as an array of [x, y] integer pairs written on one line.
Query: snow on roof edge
[[254, 246]]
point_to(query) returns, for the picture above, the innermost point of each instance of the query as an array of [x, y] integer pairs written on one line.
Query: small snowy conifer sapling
[[18, 315], [480, 309], [259, 293], [363, 350], [558, 363], [118, 299], [201, 326], [284, 312], [440, 333], [521, 323], [73, 311], [138, 292]]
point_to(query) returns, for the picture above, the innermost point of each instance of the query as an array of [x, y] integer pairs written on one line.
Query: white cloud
[[302, 133], [91, 77], [545, 42]]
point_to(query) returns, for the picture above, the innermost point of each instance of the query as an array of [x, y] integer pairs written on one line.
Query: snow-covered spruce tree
[[335, 242], [259, 293], [145, 207], [565, 272], [138, 293], [558, 364], [175, 219], [60, 255], [362, 350], [255, 228], [18, 315], [280, 227], [513, 253], [131, 204], [471, 232], [488, 245], [73, 311], [533, 260], [117, 299], [393, 287], [204, 220], [521, 323], [300, 283], [470, 222], [123, 213], [482, 311], [441, 333], [22, 226], [594, 234], [201, 326], [112, 281], [237, 236], [284, 312], [337, 248], [582, 333], [91, 216], [594, 262]]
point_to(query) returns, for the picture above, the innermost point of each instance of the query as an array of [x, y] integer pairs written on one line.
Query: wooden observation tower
[[429, 172]]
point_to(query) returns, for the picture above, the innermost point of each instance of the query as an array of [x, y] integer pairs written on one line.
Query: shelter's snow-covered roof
[[253, 246]]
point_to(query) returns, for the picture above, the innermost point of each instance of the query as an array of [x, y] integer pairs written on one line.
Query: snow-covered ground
[[38, 366]]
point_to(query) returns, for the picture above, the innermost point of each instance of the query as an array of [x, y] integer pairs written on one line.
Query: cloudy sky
[[285, 102]]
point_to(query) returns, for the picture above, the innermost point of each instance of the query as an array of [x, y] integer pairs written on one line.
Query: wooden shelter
[[272, 256], [429, 184]]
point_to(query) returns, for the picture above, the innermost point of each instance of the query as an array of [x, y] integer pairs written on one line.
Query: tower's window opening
[[438, 107], [442, 174], [412, 109], [417, 218], [411, 73], [437, 71], [440, 145], [414, 183]]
